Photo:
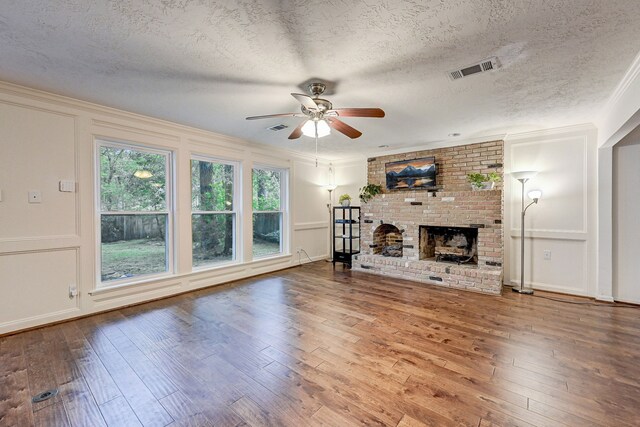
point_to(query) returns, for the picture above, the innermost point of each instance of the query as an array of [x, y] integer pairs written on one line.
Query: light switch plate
[[67, 186], [35, 196]]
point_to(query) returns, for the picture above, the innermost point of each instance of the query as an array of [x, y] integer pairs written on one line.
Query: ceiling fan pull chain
[[316, 126]]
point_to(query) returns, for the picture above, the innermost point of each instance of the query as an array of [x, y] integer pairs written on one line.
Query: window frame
[[170, 181], [284, 209], [237, 211]]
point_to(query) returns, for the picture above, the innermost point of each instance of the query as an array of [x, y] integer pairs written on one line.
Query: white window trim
[[237, 210], [284, 209], [169, 211]]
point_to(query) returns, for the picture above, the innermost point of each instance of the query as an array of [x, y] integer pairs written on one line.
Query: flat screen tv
[[411, 174]]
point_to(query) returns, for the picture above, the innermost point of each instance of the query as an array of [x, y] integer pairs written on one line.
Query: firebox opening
[[387, 241], [449, 244]]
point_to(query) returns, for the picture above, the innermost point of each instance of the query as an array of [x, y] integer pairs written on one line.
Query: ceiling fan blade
[[359, 112], [268, 116], [344, 128], [306, 100], [297, 132]]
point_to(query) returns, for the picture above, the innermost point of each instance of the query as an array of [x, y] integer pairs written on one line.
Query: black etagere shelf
[[345, 233]]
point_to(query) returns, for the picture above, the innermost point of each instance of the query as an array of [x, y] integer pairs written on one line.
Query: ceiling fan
[[321, 116]]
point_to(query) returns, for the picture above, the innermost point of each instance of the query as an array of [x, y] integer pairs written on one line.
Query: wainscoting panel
[[564, 221], [565, 272], [35, 287], [37, 151]]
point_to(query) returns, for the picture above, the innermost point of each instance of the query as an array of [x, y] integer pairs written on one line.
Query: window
[[134, 205], [213, 218], [268, 211]]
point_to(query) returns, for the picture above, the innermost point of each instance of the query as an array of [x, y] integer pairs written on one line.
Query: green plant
[[477, 179], [369, 191], [344, 197], [493, 177]]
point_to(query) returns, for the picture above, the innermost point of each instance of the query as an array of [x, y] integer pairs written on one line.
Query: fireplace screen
[[449, 244]]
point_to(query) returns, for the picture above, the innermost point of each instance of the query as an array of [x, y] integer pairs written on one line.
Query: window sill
[[158, 279], [125, 285]]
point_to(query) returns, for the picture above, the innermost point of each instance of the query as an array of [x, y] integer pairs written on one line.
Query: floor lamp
[[534, 195], [330, 189]]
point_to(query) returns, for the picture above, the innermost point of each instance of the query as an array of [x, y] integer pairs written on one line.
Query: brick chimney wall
[[454, 204]]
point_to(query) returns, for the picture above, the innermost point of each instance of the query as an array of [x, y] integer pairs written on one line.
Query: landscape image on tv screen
[[411, 174]]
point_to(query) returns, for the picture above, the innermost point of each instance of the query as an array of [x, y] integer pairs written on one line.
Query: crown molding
[[621, 113], [430, 145], [171, 129], [543, 133], [629, 78]]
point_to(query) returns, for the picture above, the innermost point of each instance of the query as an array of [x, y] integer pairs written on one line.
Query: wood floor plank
[[15, 399], [80, 405], [320, 346], [52, 415], [118, 413]]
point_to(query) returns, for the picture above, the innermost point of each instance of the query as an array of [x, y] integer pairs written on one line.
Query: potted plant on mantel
[[480, 181], [369, 191], [345, 200]]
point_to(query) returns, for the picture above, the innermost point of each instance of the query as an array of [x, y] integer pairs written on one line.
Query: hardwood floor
[[310, 346]]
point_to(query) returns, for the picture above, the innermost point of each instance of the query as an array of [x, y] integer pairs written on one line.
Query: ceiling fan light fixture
[[309, 128]]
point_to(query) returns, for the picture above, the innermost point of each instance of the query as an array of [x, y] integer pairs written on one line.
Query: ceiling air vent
[[480, 67], [278, 127]]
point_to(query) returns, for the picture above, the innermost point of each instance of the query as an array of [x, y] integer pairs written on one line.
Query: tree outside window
[[134, 211], [213, 219], [267, 211]]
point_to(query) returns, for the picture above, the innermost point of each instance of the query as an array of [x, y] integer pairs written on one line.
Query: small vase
[[345, 203], [488, 185]]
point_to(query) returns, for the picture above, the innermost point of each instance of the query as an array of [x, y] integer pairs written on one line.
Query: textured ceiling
[[210, 64]]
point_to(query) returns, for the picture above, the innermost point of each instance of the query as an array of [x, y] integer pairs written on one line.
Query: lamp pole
[[522, 289], [330, 188]]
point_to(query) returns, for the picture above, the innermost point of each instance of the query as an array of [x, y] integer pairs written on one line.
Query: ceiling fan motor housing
[[316, 89]]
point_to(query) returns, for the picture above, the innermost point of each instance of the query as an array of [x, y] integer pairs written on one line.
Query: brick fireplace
[[449, 237]]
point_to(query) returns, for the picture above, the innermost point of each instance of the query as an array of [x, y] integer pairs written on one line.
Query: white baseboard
[[551, 288]]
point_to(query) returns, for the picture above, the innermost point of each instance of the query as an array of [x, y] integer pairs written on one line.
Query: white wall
[[46, 247], [626, 228], [564, 221], [619, 117], [350, 177]]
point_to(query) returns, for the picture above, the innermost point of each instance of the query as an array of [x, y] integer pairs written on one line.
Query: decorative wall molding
[[582, 187], [621, 113], [310, 225], [17, 245], [35, 108], [630, 77], [553, 132], [135, 130], [550, 234], [544, 137]]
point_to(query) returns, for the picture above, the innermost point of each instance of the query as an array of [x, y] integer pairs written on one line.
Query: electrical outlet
[[298, 249], [35, 196], [547, 254], [73, 291]]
